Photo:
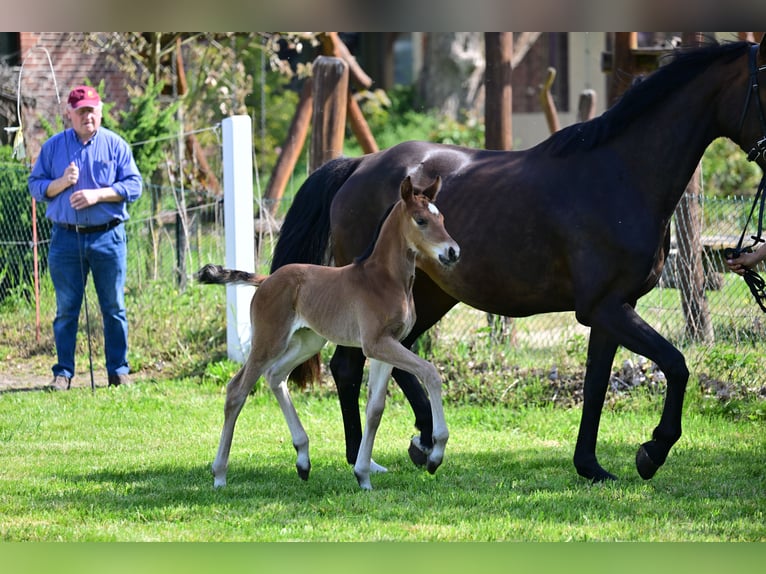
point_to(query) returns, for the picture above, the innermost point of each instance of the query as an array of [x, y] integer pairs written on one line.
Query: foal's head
[[424, 230]]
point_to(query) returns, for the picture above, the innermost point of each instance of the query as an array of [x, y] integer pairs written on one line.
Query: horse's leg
[[237, 390], [303, 345], [601, 351], [376, 402], [632, 332], [347, 368]]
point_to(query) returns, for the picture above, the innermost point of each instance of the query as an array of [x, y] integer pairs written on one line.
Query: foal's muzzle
[[450, 257]]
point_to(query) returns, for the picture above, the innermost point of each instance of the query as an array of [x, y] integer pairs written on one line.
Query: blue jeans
[[71, 257]]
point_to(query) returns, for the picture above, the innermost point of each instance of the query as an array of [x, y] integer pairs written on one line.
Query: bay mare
[[367, 304], [577, 223]]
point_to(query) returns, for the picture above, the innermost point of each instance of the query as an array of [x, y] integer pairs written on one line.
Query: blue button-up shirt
[[106, 160]]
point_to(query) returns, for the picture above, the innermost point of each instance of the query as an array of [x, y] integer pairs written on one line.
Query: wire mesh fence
[[171, 245]]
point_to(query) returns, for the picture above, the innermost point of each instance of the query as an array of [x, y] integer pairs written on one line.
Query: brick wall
[[74, 63]]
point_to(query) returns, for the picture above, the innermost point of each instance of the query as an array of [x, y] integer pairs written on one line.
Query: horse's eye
[[421, 221]]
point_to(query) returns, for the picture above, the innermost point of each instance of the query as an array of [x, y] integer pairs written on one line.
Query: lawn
[[132, 464]]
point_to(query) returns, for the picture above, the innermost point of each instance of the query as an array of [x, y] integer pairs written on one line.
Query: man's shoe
[[116, 380], [60, 383]]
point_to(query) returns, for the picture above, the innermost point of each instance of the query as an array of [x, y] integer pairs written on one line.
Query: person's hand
[[744, 261], [71, 175], [83, 198]]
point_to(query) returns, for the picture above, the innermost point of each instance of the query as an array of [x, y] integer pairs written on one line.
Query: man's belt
[[92, 228]]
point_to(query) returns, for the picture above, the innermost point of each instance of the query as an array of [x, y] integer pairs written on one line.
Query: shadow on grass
[[699, 493]]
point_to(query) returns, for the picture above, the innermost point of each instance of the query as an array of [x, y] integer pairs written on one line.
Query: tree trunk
[[453, 72], [689, 268]]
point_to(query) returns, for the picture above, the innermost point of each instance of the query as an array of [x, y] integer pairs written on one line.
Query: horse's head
[[752, 121], [425, 230]]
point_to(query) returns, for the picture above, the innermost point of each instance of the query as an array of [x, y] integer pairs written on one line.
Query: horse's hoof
[[219, 483], [431, 466], [603, 477], [303, 472], [645, 465], [417, 455], [594, 472]]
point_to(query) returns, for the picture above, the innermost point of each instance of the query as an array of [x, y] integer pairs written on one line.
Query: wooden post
[[586, 106], [330, 89], [360, 127], [497, 86], [689, 267], [623, 65], [498, 135], [547, 103], [291, 149]]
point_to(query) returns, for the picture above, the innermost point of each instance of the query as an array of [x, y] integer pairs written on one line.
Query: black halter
[[760, 146], [754, 281]]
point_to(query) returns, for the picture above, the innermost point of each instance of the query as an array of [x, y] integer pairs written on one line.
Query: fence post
[[330, 89], [239, 230]]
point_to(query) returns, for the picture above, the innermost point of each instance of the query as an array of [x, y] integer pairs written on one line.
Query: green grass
[[132, 464]]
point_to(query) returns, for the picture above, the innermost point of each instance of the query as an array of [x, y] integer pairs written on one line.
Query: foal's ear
[[433, 190], [406, 189]]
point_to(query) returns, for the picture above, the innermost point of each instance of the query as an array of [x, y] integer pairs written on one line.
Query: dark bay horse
[[367, 304], [579, 222]]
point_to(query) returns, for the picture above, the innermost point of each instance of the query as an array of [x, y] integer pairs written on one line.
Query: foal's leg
[[376, 402], [431, 304], [303, 345], [390, 351], [237, 390]]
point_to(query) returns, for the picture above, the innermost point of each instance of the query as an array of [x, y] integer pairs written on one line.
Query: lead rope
[[753, 280]]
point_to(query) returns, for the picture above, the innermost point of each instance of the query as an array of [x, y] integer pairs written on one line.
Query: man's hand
[[69, 178], [83, 198], [71, 175]]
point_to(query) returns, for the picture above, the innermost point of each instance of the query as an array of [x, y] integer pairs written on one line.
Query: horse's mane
[[684, 65]]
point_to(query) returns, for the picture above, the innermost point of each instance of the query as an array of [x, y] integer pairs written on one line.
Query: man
[[87, 176]]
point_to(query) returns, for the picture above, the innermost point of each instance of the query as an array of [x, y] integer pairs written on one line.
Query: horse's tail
[[217, 275], [305, 234]]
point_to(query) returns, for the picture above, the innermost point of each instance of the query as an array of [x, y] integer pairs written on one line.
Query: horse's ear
[[406, 189], [433, 190]]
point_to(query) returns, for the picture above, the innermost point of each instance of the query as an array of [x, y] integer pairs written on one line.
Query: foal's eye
[[421, 221]]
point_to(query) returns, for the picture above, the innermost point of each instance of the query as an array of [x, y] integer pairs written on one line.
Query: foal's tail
[[305, 233], [217, 275]]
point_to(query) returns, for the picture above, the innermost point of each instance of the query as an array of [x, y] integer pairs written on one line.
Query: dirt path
[[16, 376]]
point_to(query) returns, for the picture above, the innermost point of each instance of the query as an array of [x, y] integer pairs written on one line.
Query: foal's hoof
[[363, 480], [303, 472], [644, 463], [418, 455], [377, 468]]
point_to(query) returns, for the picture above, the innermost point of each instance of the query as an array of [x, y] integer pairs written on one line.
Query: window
[[10, 49]]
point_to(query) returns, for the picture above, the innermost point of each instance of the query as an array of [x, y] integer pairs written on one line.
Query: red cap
[[84, 96]]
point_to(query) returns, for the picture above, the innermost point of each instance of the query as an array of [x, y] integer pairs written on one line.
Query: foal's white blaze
[[433, 209]]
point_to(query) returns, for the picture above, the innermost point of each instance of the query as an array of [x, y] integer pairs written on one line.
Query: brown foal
[[367, 304]]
